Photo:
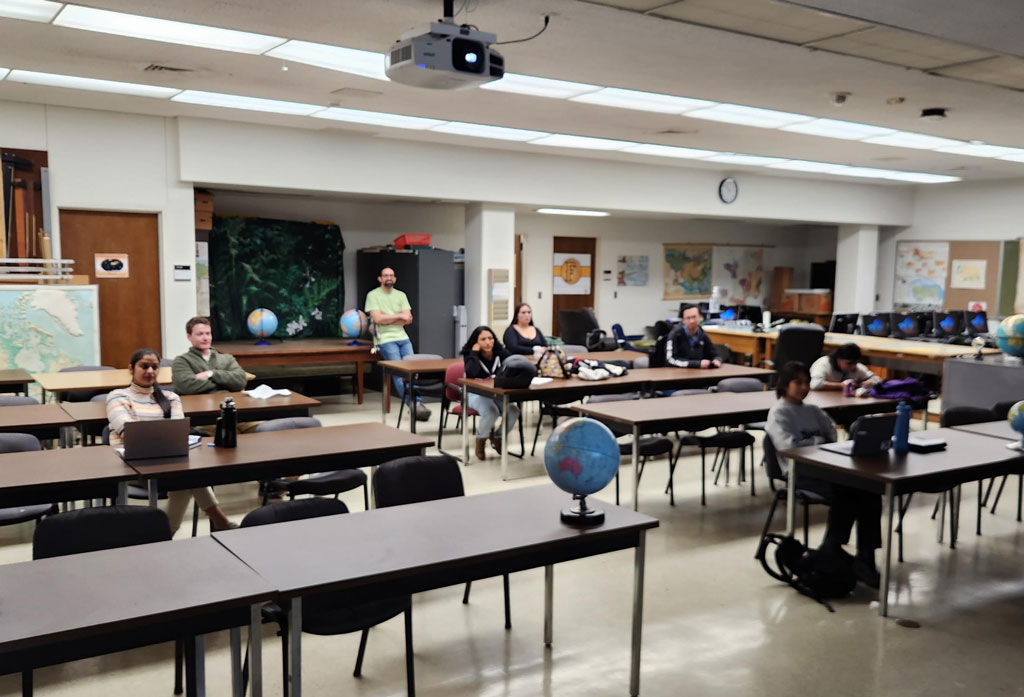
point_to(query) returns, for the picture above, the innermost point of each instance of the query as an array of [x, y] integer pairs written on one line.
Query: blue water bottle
[[901, 434]]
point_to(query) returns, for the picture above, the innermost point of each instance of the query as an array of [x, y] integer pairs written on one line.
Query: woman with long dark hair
[[483, 355], [831, 371], [144, 400], [521, 336]]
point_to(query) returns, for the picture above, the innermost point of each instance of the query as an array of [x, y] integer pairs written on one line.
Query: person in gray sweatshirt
[[792, 424]]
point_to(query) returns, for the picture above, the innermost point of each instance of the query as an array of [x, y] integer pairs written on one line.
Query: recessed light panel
[[641, 101], [234, 101], [733, 158], [572, 211], [345, 60], [539, 86], [563, 140], [377, 118], [748, 116], [919, 141], [479, 130], [831, 128], [31, 10], [669, 151], [91, 84]]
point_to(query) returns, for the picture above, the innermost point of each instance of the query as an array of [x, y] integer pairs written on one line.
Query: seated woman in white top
[[143, 400], [831, 371]]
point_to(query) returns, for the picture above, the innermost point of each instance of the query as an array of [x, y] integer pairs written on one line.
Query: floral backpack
[[552, 363]]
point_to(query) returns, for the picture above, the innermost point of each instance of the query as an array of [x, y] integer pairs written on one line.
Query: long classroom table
[[698, 412], [63, 474], [97, 380], [434, 544], [15, 380], [967, 457], [569, 389], [43, 421]]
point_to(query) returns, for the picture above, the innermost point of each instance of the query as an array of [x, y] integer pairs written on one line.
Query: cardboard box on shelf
[[204, 221], [816, 302], [204, 203]]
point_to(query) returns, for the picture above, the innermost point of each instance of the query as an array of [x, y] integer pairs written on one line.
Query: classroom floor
[[715, 623]]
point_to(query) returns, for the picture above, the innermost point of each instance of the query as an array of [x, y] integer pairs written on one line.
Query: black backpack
[[515, 372], [817, 573], [661, 330]]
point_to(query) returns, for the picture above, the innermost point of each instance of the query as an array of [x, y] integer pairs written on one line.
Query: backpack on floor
[[552, 363], [816, 573]]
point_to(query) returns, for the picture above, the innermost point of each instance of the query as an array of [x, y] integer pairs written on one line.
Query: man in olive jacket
[[201, 369]]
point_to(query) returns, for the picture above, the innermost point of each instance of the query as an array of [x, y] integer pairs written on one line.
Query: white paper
[[266, 391], [540, 381]]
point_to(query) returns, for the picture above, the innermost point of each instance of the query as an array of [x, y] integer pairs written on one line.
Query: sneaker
[[866, 573], [422, 413]]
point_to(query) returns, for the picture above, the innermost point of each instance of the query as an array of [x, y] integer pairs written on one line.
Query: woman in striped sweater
[[143, 400]]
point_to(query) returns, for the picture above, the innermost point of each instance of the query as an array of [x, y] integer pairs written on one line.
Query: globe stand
[[354, 342], [262, 342], [581, 515]]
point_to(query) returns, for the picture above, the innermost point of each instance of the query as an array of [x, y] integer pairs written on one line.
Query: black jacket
[[517, 343], [478, 367], [679, 352]]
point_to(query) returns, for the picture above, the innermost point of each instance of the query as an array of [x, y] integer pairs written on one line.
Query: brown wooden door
[[574, 245], [129, 307]]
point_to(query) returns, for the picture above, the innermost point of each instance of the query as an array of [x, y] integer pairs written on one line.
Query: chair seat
[[141, 493], [726, 439], [324, 615], [804, 496], [650, 446], [323, 484], [457, 409], [626, 396], [23, 514]]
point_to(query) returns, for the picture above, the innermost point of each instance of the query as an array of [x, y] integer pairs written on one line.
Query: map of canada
[[44, 329]]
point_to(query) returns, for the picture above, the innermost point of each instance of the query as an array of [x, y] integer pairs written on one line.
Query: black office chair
[[321, 484], [428, 388], [330, 614], [722, 442], [999, 412], [81, 395], [20, 443], [846, 323], [805, 497], [797, 342], [17, 400], [425, 478], [647, 447], [581, 327]]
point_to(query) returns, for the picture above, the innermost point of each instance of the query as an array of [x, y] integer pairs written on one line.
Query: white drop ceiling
[[755, 52]]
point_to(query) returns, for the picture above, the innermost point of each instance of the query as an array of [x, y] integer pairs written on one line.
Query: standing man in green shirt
[[201, 369], [390, 312]]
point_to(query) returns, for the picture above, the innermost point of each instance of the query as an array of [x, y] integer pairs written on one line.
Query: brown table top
[[967, 457], [408, 368], [38, 475], [294, 451], [334, 348], [995, 429], [85, 595], [517, 528], [15, 377], [622, 355], [198, 405], [719, 409], [33, 416], [98, 379]]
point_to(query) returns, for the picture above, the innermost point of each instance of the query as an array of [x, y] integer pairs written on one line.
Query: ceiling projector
[[445, 56]]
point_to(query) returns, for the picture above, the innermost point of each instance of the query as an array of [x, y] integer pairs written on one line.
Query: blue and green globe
[[1010, 336], [262, 322], [581, 456], [353, 324], [1016, 418]]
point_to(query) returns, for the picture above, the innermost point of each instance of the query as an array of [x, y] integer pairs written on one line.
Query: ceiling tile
[[766, 18], [902, 48], [1001, 70], [637, 5]]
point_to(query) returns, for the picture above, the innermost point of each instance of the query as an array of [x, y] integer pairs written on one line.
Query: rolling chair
[[20, 443], [797, 342]]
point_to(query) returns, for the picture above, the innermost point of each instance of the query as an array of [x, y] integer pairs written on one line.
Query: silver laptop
[[157, 438], [869, 435]]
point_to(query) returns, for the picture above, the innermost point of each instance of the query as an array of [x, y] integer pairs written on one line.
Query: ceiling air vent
[[157, 68]]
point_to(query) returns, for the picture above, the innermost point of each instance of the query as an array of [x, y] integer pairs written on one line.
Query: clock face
[[728, 190]]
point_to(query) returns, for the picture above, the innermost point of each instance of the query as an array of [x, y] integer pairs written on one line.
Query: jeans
[[489, 410], [396, 351]]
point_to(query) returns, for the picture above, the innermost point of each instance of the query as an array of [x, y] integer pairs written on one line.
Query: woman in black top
[[483, 355], [521, 336]]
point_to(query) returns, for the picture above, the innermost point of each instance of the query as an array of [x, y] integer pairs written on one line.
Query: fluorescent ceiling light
[[733, 158], [563, 140], [920, 141], [669, 151], [921, 177], [641, 101], [346, 60], [979, 150], [866, 172], [571, 211], [234, 101], [831, 128], [748, 116], [539, 86], [479, 130], [93, 85], [32, 10], [3, 72], [1016, 156], [806, 166], [139, 27], [377, 118]]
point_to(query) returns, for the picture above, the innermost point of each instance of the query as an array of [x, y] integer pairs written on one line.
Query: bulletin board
[[988, 253]]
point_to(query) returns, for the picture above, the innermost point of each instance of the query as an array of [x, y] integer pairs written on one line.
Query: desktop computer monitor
[[904, 325], [875, 324], [947, 324], [845, 323], [977, 323], [924, 322], [729, 313], [752, 313]]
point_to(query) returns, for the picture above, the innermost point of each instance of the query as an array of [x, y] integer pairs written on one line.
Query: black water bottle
[[226, 434]]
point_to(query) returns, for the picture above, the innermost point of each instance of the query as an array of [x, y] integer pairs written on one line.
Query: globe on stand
[[581, 457], [353, 324], [1010, 336], [1016, 420], [262, 323]]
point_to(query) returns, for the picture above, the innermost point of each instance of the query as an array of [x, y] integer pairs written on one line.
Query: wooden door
[[129, 307], [518, 293], [573, 245]]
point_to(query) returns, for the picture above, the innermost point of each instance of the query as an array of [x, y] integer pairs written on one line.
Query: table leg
[[295, 637], [636, 467], [195, 667], [410, 392], [122, 493], [883, 586], [359, 382], [504, 439], [154, 493], [549, 601], [256, 650], [235, 637], [385, 397], [465, 426], [791, 500], [942, 517], [638, 614]]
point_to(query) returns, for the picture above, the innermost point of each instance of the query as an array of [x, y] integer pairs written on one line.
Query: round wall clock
[[728, 190]]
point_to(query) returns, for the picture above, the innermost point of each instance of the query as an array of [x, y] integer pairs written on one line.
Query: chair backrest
[[18, 443], [1002, 409], [571, 349], [641, 362], [771, 460], [573, 326], [619, 333], [452, 374], [798, 342], [740, 385], [99, 397], [91, 529], [166, 362], [10, 400], [962, 416], [83, 368], [289, 423], [416, 479], [298, 509], [422, 357]]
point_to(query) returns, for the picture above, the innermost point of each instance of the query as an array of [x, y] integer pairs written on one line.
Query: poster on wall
[[632, 270], [203, 279], [687, 271], [111, 265], [739, 272], [571, 274], [968, 273], [921, 269]]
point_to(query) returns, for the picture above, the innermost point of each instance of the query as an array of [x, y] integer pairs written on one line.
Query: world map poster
[[739, 274], [921, 270], [687, 272]]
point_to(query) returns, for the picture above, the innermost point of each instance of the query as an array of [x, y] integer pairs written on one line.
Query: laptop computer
[[869, 435], [157, 438]]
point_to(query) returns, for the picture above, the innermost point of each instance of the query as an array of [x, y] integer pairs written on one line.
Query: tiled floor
[[715, 623]]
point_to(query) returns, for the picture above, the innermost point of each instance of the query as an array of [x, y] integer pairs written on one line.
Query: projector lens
[[471, 58], [468, 55]]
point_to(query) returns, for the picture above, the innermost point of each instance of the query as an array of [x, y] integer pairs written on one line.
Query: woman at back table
[[521, 336], [483, 355], [143, 400]]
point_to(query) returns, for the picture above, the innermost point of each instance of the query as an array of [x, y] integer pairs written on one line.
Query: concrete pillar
[[490, 244], [856, 268]]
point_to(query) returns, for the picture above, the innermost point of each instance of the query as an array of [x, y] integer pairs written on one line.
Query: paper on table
[[540, 381], [266, 391]]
